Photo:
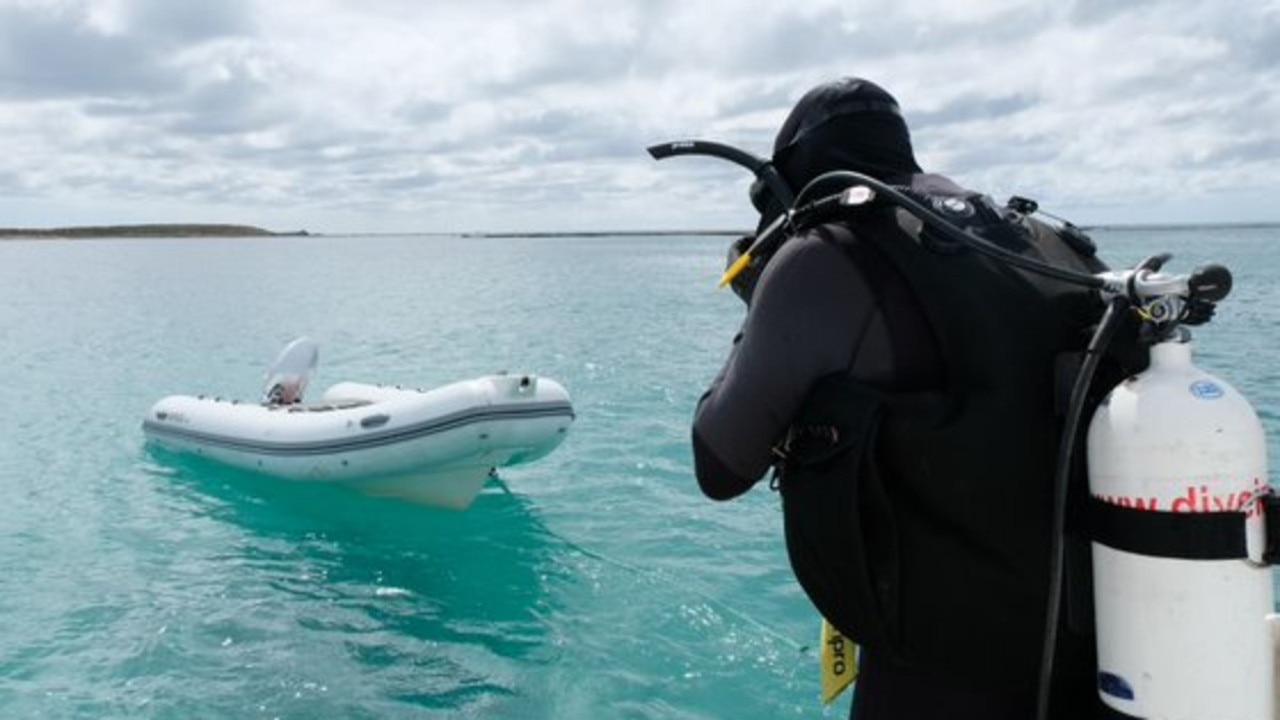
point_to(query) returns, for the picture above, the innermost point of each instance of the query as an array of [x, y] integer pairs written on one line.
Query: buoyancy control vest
[[919, 523]]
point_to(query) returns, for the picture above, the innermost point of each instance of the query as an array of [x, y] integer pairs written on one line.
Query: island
[[601, 233], [157, 230]]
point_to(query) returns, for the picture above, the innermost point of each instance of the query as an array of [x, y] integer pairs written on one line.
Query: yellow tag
[[839, 663]]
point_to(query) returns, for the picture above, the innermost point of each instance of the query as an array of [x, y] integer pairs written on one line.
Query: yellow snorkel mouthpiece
[[742, 263], [762, 247]]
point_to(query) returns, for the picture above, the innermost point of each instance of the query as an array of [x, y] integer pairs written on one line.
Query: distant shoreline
[[1156, 227], [144, 231], [198, 230], [217, 230], [597, 233]]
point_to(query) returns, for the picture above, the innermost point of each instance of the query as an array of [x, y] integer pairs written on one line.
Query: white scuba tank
[[1183, 639]]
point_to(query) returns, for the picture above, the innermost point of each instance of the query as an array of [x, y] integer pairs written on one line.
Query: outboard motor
[[288, 376], [1178, 473]]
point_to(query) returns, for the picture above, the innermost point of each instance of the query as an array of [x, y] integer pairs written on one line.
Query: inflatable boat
[[436, 447]]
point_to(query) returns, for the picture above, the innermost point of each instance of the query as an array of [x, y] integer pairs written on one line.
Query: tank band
[[1189, 536]]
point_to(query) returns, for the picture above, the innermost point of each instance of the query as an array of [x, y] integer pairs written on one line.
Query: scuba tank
[[1177, 470], [1183, 523]]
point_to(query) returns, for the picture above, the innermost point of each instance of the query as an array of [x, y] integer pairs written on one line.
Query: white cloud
[[401, 115]]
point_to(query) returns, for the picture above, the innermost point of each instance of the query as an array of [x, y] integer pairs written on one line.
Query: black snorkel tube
[[1161, 300], [764, 171], [761, 168]]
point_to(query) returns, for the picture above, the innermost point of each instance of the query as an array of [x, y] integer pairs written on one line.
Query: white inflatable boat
[[436, 447]]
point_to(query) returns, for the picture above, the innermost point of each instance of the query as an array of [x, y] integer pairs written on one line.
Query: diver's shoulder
[[812, 255], [938, 185]]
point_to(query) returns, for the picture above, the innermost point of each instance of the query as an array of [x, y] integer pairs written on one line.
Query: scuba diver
[[908, 395]]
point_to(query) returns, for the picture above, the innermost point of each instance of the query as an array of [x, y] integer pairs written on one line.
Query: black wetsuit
[[814, 313], [817, 313]]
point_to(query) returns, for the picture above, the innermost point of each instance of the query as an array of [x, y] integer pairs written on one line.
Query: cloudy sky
[[510, 115]]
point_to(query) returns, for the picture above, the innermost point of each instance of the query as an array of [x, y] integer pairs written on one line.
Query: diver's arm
[[803, 324]]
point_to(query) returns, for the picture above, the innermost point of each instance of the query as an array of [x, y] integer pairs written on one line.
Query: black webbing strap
[[1188, 535], [1271, 516]]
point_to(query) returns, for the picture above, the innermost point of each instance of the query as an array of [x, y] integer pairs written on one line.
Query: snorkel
[[765, 173]]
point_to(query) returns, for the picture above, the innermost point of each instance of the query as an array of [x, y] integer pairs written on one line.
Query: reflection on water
[[439, 606]]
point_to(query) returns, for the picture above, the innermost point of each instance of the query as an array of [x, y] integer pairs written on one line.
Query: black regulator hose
[[934, 221], [1112, 317], [775, 234]]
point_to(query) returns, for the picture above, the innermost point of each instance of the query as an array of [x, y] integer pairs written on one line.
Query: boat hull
[[435, 446]]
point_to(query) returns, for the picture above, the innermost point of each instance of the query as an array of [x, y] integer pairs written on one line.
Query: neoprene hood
[[846, 124]]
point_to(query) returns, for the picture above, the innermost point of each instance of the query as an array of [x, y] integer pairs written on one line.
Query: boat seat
[[320, 407]]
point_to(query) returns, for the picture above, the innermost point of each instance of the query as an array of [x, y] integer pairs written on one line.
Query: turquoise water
[[596, 582]]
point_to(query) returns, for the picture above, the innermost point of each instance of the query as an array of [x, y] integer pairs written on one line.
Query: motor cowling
[[1178, 473]]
